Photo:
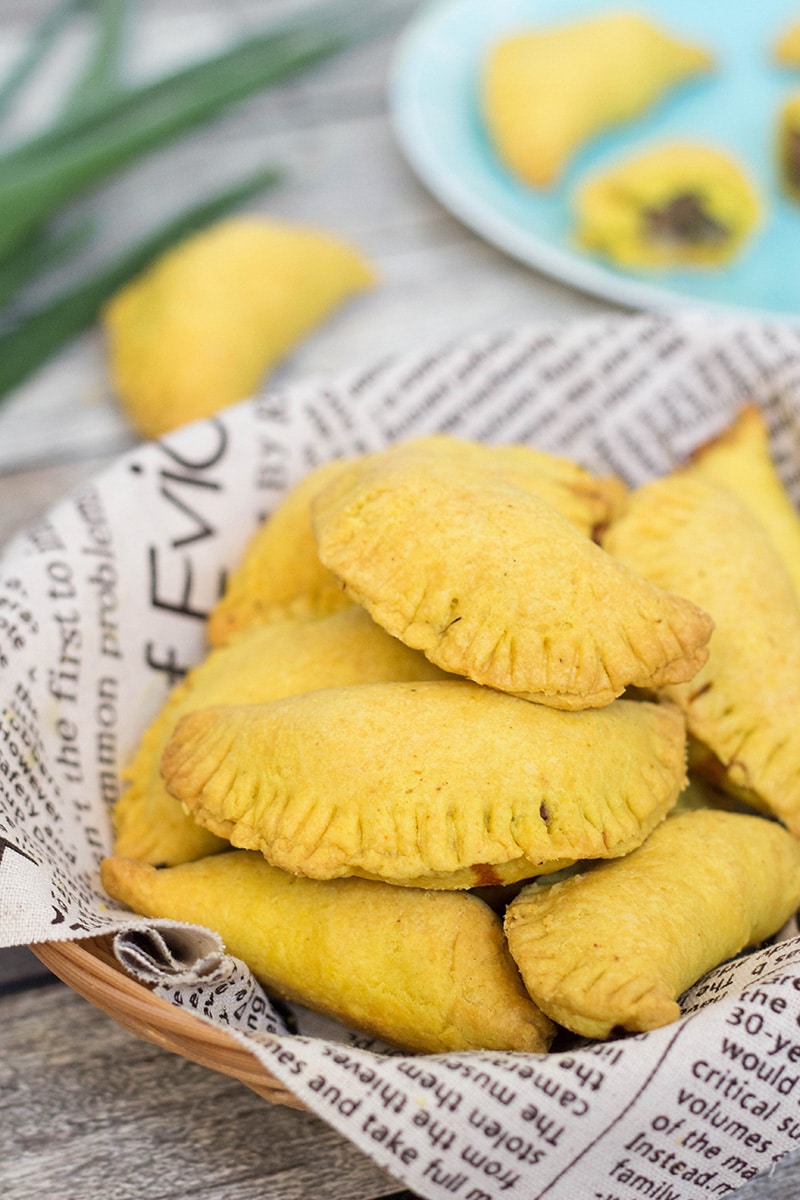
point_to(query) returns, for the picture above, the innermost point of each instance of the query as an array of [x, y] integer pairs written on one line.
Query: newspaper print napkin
[[102, 609]]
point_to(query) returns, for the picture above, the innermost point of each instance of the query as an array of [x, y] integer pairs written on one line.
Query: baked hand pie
[[405, 781], [492, 582], [280, 574], [428, 971], [257, 665], [546, 92], [681, 204], [693, 534], [587, 501], [198, 328], [740, 459], [615, 946]]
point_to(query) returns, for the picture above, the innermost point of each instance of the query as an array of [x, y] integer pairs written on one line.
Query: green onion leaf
[[37, 178], [39, 252], [100, 79], [40, 45]]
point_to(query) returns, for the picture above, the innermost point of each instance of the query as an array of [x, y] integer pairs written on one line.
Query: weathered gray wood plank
[[87, 1110]]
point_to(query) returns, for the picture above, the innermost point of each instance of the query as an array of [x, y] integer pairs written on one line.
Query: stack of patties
[[416, 689]]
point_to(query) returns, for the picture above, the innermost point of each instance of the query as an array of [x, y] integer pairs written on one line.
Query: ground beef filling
[[791, 158], [683, 221]]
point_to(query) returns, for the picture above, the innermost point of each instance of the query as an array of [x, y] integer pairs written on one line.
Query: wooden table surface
[[86, 1110]]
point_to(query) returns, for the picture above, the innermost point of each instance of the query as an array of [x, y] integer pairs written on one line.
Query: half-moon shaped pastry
[[546, 92], [428, 971], [280, 574], [680, 204], [200, 326], [616, 945], [402, 780], [692, 534], [491, 582], [740, 459], [589, 502], [257, 665]]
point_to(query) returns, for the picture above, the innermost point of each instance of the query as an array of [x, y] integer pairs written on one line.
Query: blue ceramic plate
[[434, 107]]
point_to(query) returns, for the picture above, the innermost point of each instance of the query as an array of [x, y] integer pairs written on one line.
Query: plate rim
[[585, 275]]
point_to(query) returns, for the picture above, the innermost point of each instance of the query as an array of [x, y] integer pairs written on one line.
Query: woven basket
[[90, 969]]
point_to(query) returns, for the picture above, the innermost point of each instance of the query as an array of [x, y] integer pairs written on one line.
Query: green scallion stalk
[[34, 336], [41, 251], [99, 83], [336, 23], [44, 38], [57, 167]]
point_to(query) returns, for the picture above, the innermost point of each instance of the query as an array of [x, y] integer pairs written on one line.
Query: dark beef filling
[[791, 158], [684, 221]]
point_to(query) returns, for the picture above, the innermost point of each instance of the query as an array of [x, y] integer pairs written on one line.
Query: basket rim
[[90, 969]]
